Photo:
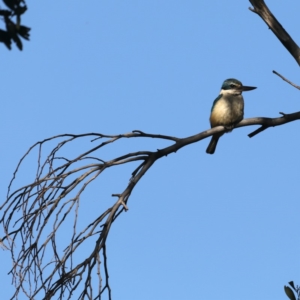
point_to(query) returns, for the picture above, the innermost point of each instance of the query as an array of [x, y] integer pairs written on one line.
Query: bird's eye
[[232, 85]]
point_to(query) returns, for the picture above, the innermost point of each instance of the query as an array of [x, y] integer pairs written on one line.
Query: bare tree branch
[[270, 122], [56, 192], [288, 81], [260, 8]]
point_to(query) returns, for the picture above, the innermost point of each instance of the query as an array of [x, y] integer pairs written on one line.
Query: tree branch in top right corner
[[260, 8]]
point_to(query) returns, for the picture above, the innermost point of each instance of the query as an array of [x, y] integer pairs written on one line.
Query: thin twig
[[288, 81]]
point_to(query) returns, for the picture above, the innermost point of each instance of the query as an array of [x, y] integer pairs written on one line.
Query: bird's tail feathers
[[213, 144]]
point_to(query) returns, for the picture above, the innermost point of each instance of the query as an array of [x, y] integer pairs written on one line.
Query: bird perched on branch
[[227, 109]]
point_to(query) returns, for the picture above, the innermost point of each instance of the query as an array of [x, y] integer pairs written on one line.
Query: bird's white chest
[[227, 111]]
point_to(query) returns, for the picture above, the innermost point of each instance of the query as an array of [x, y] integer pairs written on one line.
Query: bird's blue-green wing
[[216, 100]]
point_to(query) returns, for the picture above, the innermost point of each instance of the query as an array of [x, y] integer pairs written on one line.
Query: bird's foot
[[228, 128]]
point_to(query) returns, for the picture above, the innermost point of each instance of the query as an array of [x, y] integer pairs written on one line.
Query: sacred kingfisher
[[228, 109]]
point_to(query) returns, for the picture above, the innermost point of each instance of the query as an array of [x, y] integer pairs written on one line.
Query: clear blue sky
[[207, 227]]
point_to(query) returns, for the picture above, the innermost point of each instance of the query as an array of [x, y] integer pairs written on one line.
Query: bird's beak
[[248, 88]]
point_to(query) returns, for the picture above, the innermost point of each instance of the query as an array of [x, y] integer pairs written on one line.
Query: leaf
[[289, 293], [5, 38], [291, 283]]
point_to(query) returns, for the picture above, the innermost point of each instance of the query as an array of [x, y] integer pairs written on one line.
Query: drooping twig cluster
[[54, 197]]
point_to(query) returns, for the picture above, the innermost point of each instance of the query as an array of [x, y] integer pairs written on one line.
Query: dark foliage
[[12, 18]]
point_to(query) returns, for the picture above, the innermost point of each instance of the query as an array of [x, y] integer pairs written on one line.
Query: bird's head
[[234, 87]]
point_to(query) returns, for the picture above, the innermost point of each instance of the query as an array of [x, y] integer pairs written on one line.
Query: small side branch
[[288, 81], [269, 122]]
